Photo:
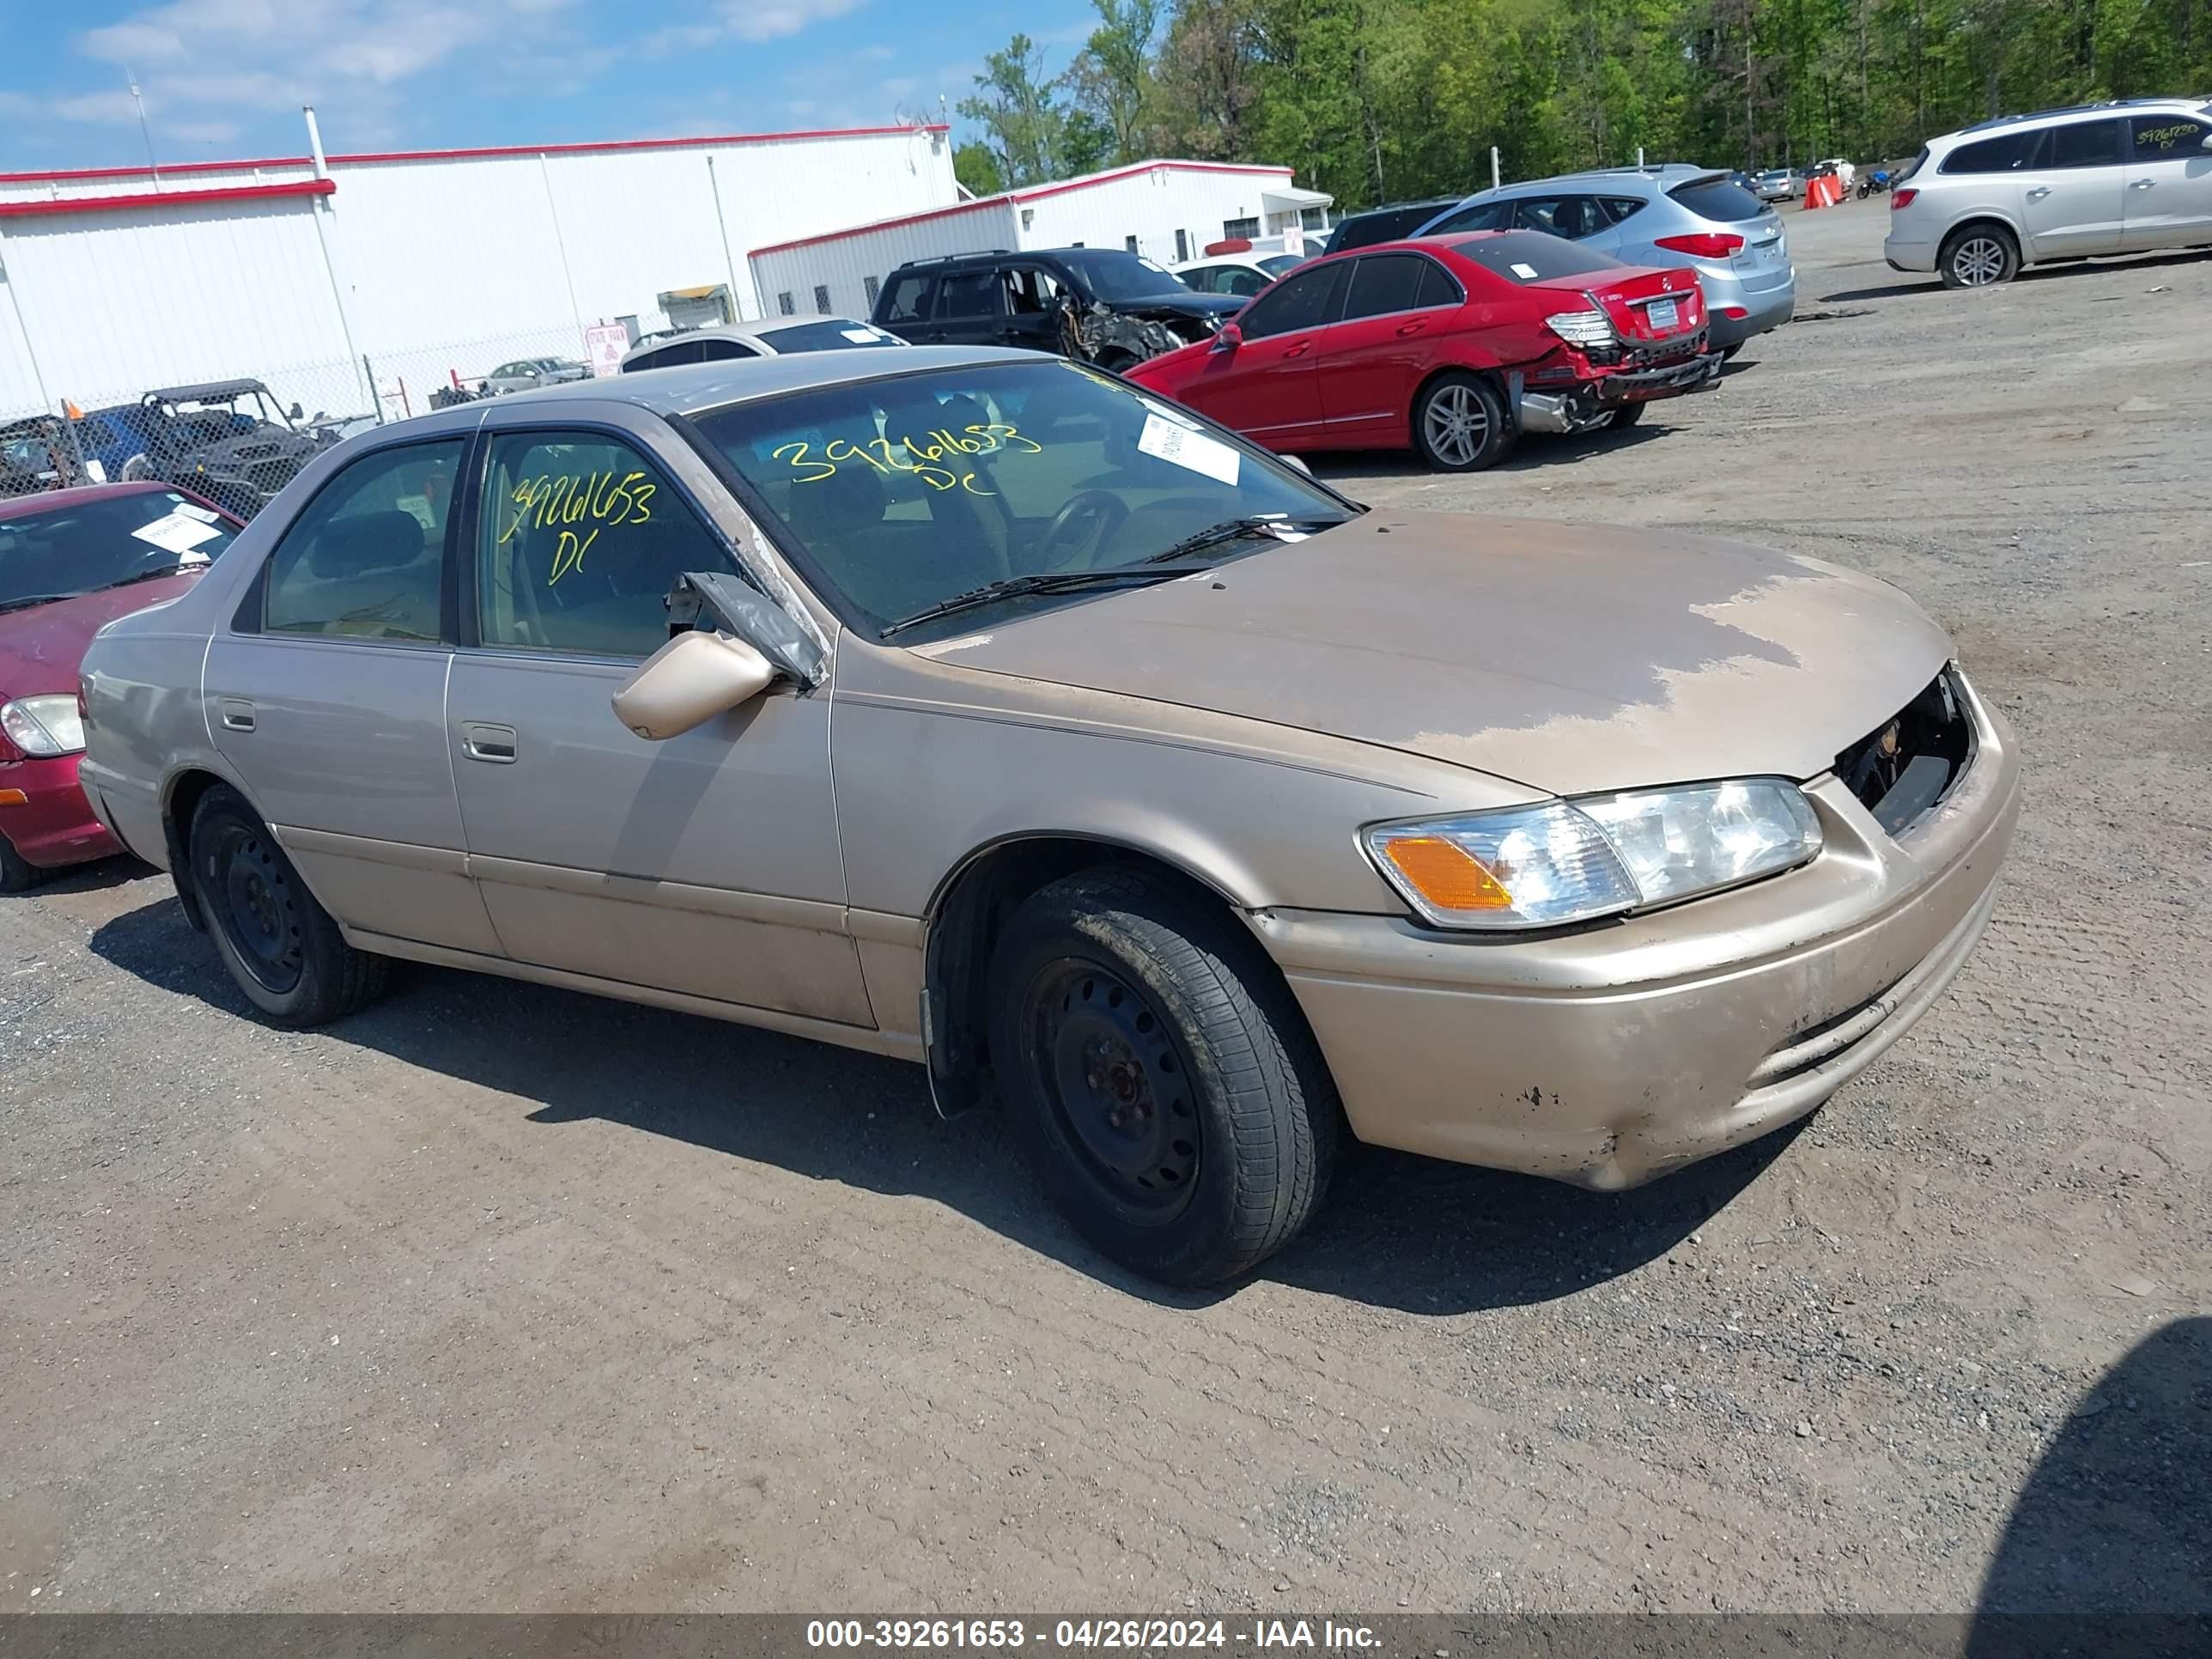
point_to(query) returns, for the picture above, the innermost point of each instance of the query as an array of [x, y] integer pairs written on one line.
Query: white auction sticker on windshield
[[860, 336], [1525, 273], [172, 532], [1194, 451], [1165, 413], [194, 510]]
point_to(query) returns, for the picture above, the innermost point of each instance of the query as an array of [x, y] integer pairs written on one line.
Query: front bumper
[[53, 823], [1612, 1054]]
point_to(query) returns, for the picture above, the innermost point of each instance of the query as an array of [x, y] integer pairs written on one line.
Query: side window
[[2165, 137], [906, 297], [1571, 217], [1438, 287], [717, 351], [966, 293], [1241, 281], [1031, 291], [2085, 144], [1483, 216], [1296, 302], [2003, 154], [365, 559], [1618, 208], [579, 541], [1382, 283]]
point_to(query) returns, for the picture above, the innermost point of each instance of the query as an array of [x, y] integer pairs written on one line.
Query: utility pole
[[145, 132]]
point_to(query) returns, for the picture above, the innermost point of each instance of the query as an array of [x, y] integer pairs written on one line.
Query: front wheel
[[1160, 1081], [1980, 256], [280, 945], [17, 873], [1459, 424]]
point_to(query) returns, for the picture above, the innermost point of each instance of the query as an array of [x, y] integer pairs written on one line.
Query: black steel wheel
[[282, 947], [1160, 1080]]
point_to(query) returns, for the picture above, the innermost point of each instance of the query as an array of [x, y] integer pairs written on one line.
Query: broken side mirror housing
[[1228, 338], [688, 681]]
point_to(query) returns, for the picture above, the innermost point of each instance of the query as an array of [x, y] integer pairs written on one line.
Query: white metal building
[[1167, 210], [116, 280]]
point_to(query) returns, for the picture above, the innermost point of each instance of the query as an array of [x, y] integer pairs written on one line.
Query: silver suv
[[1661, 216], [2119, 178]]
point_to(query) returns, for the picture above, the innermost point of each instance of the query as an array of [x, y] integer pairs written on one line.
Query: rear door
[[2168, 203], [1268, 386], [1398, 310], [969, 307], [2070, 195], [326, 697]]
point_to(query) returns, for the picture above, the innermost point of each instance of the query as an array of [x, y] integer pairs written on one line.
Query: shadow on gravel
[[2117, 1518], [96, 877], [1931, 284], [1539, 449], [1397, 1231]]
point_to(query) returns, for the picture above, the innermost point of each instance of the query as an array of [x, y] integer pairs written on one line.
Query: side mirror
[[1230, 337], [2207, 144], [688, 681], [1297, 464], [296, 414]]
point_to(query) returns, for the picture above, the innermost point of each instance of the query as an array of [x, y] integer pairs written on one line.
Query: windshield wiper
[[152, 575], [1234, 530], [30, 599], [1047, 581]]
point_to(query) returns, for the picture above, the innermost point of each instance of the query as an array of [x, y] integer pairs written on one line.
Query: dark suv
[[1101, 305]]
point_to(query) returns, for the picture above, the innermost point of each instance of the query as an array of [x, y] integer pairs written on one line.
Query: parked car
[[1777, 184], [1101, 305], [71, 561], [1976, 205], [528, 373], [1241, 275], [36, 455], [1392, 222], [1452, 347], [1658, 216], [230, 441], [1191, 811], [713, 345], [1845, 170]]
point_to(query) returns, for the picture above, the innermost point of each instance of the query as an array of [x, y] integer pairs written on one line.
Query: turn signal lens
[[1526, 866], [1446, 874]]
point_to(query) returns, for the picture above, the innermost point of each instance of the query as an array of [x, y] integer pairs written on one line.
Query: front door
[[1268, 386], [1036, 306], [327, 697], [707, 864], [2168, 201], [1395, 314], [2071, 193]]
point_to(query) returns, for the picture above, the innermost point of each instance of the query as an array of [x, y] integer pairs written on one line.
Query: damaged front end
[[1120, 336]]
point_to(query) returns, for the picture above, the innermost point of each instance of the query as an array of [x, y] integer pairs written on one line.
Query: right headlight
[[1568, 861]]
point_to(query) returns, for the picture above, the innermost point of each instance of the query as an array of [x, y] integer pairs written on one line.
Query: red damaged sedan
[[71, 560], [1450, 345]]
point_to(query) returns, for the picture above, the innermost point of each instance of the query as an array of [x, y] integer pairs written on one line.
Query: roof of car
[[689, 387], [2193, 106], [205, 390], [23, 507], [1659, 177]]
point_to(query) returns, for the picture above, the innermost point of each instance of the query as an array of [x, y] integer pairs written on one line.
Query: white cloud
[[773, 20]]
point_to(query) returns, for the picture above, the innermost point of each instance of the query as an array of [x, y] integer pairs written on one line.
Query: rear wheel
[[281, 946], [1980, 256], [1459, 424], [1159, 1079], [1625, 415]]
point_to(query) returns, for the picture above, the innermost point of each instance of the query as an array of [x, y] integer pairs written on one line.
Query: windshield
[[832, 334], [903, 492], [1112, 275], [91, 545], [1276, 263]]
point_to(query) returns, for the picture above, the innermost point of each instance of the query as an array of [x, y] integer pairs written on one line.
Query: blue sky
[[226, 78]]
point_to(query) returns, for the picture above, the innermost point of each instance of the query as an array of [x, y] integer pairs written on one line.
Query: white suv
[[2119, 178]]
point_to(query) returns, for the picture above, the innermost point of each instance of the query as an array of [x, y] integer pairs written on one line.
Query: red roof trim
[[167, 197], [371, 157], [1011, 197]]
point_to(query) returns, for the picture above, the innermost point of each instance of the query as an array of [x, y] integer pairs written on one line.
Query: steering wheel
[[1104, 511]]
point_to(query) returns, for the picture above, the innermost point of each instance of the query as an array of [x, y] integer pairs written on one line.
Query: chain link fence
[[238, 440]]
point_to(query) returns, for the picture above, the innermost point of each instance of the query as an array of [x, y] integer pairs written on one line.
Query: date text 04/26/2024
[[951, 1635]]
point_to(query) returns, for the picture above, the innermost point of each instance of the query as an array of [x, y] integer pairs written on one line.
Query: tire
[[1231, 1121], [1625, 415], [1728, 353], [1978, 256], [281, 947], [1473, 432], [17, 873]]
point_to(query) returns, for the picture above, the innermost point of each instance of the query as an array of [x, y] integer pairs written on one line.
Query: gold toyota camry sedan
[[978, 708]]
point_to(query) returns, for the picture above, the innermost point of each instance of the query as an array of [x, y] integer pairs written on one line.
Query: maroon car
[[71, 560]]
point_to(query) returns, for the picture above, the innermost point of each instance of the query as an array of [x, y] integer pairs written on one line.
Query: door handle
[[495, 744], [1404, 329], [1298, 350], [2038, 193], [2142, 183], [237, 715]]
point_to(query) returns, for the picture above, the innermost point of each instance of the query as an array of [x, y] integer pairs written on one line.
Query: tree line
[[1377, 100]]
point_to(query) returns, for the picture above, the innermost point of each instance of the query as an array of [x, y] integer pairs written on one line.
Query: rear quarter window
[[905, 298], [1719, 199], [2005, 153]]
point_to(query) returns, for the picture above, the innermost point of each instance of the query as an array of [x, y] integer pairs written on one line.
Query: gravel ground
[[497, 1298]]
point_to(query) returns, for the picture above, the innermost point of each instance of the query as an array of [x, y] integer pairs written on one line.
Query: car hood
[[1192, 304], [1568, 658], [40, 648]]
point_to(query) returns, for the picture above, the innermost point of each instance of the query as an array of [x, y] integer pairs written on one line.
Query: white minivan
[[2118, 178]]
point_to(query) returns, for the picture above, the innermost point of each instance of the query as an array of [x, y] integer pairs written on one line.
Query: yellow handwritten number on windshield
[[922, 457]]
